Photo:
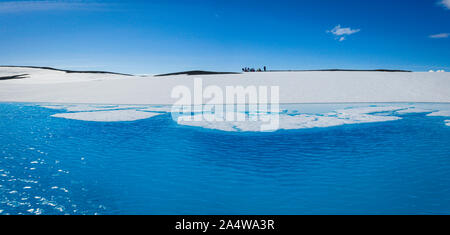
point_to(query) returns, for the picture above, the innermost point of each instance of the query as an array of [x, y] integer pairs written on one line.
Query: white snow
[[47, 86], [46, 76], [108, 116]]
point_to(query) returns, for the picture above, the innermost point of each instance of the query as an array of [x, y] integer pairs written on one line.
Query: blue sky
[[167, 36]]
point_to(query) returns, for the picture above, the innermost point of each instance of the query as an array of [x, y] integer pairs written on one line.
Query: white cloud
[[441, 35], [46, 5], [342, 33], [445, 3]]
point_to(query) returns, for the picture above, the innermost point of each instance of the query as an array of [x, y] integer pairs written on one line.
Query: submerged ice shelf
[[289, 117]]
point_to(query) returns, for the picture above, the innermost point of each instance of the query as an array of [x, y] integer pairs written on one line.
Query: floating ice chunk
[[308, 121], [443, 113], [413, 110], [314, 121], [301, 121], [366, 114], [108, 116], [287, 122]]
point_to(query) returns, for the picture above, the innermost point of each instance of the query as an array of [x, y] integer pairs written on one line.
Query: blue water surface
[[155, 166]]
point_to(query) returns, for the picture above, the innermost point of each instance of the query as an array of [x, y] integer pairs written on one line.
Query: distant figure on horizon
[[247, 69]]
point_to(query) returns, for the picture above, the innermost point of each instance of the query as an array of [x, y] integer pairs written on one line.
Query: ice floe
[[414, 110], [299, 121], [108, 116], [288, 118], [105, 113], [443, 113]]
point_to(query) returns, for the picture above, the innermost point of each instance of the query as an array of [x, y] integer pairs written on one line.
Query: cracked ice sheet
[[301, 121]]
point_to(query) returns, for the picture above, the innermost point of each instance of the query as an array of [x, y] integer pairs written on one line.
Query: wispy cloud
[[47, 5], [342, 33], [441, 35], [445, 3]]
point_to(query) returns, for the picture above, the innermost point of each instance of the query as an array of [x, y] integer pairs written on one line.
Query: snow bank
[[47, 76], [49, 86]]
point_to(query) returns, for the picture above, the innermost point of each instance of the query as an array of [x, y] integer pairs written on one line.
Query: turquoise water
[[54, 165]]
